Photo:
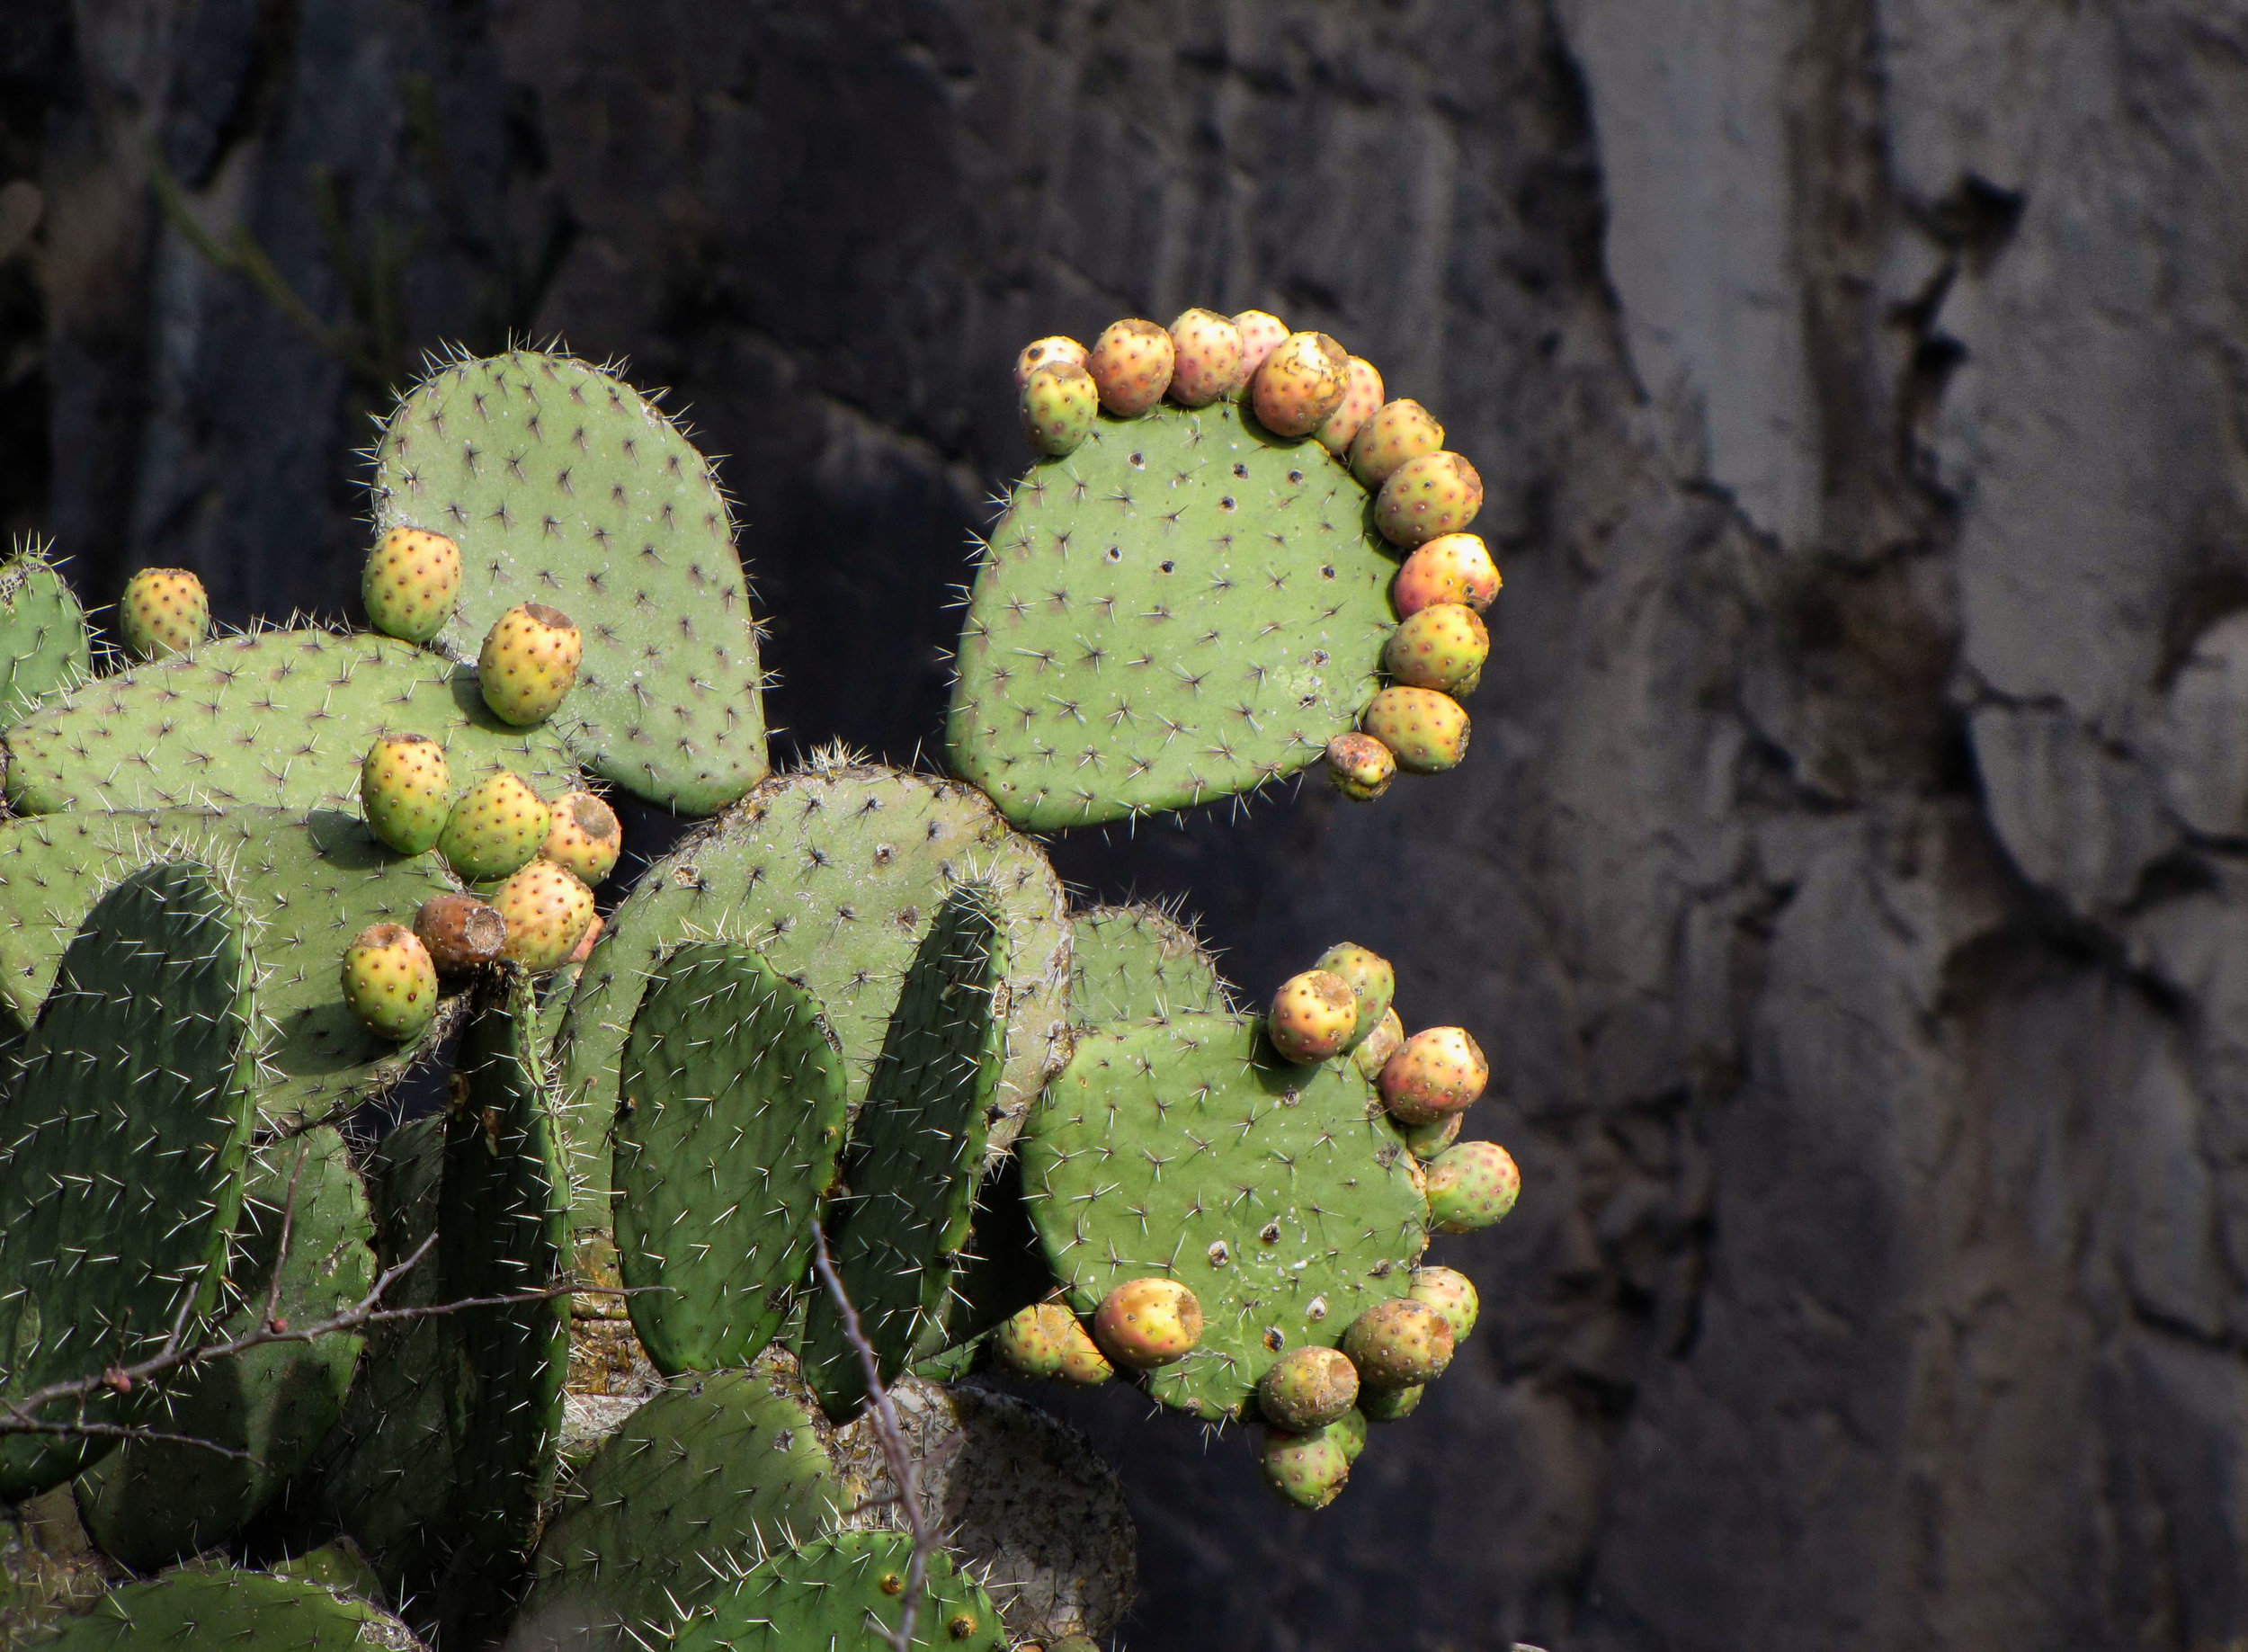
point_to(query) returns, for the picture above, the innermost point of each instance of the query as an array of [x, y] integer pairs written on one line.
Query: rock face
[[1851, 878]]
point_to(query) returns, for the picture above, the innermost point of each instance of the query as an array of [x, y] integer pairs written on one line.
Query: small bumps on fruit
[[1451, 567], [1361, 399], [1309, 1470], [389, 982], [1389, 1405], [1427, 497], [164, 611], [1399, 431], [1130, 364], [1206, 362], [1261, 334], [495, 827], [1313, 1017], [1361, 766], [1033, 1343], [1425, 730], [1425, 1141], [546, 909], [1083, 1362], [1472, 1186], [460, 931], [1301, 382], [1399, 1343], [583, 836], [1443, 647], [1450, 1293], [528, 663], [1349, 1431], [1383, 1042], [1372, 979], [1059, 406], [1057, 350], [1438, 1070], [405, 791], [1307, 1388], [1145, 1323], [410, 584]]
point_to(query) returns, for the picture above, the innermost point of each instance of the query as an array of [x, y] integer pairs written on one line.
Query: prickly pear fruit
[[1059, 407], [1056, 351], [1309, 1470], [1145, 1323], [1313, 1016], [1472, 1186], [1450, 1293], [1207, 358], [1131, 364], [1398, 1344], [1383, 1042], [1443, 647], [1083, 1362], [389, 982], [1451, 567], [584, 949], [1349, 1431], [1389, 1405], [405, 791], [1306, 1388], [410, 583], [1425, 731], [583, 837], [461, 931], [1439, 1070], [1397, 431], [1361, 399], [1426, 498], [1300, 383], [546, 909], [1261, 335], [496, 827], [1425, 1141], [1361, 766], [1370, 978], [1032, 1342], [164, 611], [528, 663]]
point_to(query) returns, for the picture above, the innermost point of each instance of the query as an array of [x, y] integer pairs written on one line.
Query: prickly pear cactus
[[221, 1606], [45, 646], [1138, 963], [844, 1594]]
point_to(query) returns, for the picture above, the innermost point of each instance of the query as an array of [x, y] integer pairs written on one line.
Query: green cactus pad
[[708, 1477], [563, 486], [126, 1127], [917, 1153], [1185, 608], [245, 1611], [280, 719], [45, 646], [1272, 1191], [1138, 963], [155, 1500], [726, 1146], [842, 1594]]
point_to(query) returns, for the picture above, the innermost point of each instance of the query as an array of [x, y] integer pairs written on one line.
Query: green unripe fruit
[[528, 663], [1145, 1323], [1056, 351], [1383, 1042], [1361, 399], [1427, 731], [1306, 1388], [1389, 1405], [1130, 364], [1399, 431], [410, 584], [164, 611], [1361, 766], [1372, 982], [405, 791], [1471, 1186], [1450, 1293], [1424, 497], [1035, 1341], [1452, 567], [1425, 1141], [1443, 647], [1059, 406], [389, 982], [1301, 383], [1349, 1431], [1313, 1016], [582, 837], [1398, 1344], [1309, 1470], [495, 827], [1206, 358], [1438, 1070], [546, 909]]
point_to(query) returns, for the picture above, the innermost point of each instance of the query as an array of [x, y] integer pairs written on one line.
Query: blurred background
[[1851, 876]]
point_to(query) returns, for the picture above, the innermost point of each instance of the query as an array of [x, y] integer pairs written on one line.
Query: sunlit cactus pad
[[44, 644], [1272, 1191], [1138, 963], [562, 484], [1185, 608], [842, 1594]]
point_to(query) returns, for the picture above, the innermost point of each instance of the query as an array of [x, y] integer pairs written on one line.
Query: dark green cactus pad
[[707, 1477], [152, 1501], [279, 719], [307, 883], [562, 484], [1138, 963], [725, 1146], [126, 1128], [1272, 1191], [245, 1611], [45, 646], [917, 1153], [842, 1594], [1185, 608]]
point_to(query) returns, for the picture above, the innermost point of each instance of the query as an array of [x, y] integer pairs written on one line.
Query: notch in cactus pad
[[563, 484], [219, 1606], [45, 646], [844, 1593], [1138, 963], [1273, 1192]]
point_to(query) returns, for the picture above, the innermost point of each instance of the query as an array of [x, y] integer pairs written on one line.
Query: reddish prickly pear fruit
[[1361, 399], [546, 909], [528, 663], [583, 837], [1426, 731], [1032, 1344], [495, 827], [1131, 366], [1389, 1405], [1397, 431], [1371, 980], [584, 949], [1300, 383], [1261, 335], [1383, 1042], [1439, 1070], [1443, 647], [1313, 1016], [1472, 1186], [1361, 766], [405, 791], [460, 931], [1451, 567], [389, 982], [1056, 350], [1083, 1362], [1207, 364], [164, 611], [1060, 407], [1425, 497], [410, 583], [1425, 1141], [1450, 1293], [1398, 1344], [1307, 1388], [1145, 1323], [1309, 1470]]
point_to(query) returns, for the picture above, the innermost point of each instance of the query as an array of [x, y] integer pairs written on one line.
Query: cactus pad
[[1138, 963], [252, 1611], [1185, 608], [563, 486], [1272, 1191], [45, 646], [842, 1594], [727, 1143]]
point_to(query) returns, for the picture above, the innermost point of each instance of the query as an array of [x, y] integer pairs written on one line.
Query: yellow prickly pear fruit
[[1425, 497], [1309, 1470], [1471, 1186], [389, 982], [1261, 335], [1059, 407], [1361, 766], [1300, 383], [1372, 981], [546, 909], [1399, 1344], [1056, 350], [1313, 1016], [584, 949], [164, 611], [405, 791], [495, 827], [1426, 731], [1083, 1362], [410, 583], [1036, 1342], [1361, 399], [1145, 1323], [1399, 431], [1307, 1388], [1438, 1070], [461, 931], [1451, 567], [1450, 1293], [1206, 358], [1131, 366], [583, 837], [1443, 647], [528, 663], [1383, 1042]]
